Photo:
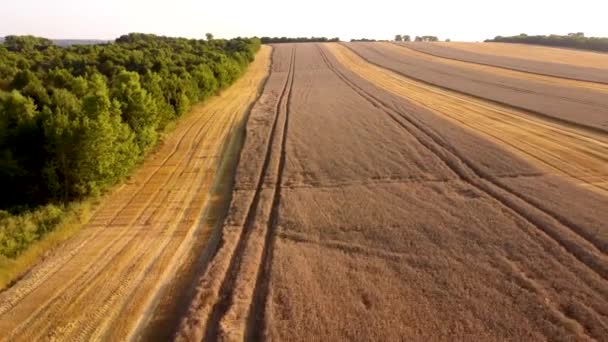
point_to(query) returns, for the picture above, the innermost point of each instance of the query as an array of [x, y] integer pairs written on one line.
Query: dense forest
[[275, 40], [75, 120], [572, 40]]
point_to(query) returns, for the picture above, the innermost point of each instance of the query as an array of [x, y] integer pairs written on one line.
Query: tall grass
[[25, 238]]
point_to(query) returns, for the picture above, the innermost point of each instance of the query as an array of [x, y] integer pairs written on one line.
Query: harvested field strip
[[236, 268], [583, 248], [538, 53], [120, 260], [546, 67], [567, 150], [549, 80]]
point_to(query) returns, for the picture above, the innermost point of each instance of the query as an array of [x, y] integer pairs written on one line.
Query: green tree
[[26, 43], [107, 150], [398, 38], [138, 108], [21, 150]]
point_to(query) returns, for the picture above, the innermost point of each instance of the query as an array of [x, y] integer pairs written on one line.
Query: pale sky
[[466, 20]]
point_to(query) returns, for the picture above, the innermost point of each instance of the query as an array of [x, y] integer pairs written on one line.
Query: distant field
[[578, 65], [369, 205], [539, 53], [68, 42], [582, 103]]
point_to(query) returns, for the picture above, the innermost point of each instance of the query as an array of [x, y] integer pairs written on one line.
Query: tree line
[[407, 38], [363, 40], [575, 40], [275, 40], [75, 120]]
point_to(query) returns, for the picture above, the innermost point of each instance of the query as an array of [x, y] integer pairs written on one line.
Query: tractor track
[[218, 304]]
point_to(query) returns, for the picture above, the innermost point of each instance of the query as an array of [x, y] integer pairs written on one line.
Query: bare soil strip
[[570, 151], [575, 66], [100, 284]]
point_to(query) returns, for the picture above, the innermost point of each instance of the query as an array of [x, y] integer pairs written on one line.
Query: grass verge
[[29, 237]]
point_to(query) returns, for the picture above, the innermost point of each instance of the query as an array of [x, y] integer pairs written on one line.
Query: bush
[[19, 231]]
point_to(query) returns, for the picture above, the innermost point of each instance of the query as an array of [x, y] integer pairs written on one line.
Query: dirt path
[[358, 214], [100, 284]]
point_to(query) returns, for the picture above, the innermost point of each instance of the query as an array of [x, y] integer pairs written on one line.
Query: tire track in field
[[38, 276], [213, 298], [249, 285], [256, 316], [484, 183]]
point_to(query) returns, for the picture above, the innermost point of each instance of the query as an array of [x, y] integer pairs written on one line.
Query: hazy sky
[[381, 19]]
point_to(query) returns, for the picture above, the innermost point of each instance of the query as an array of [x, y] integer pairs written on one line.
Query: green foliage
[[19, 231], [363, 40], [137, 107], [398, 38], [426, 39], [276, 40], [26, 43], [575, 40], [75, 120]]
